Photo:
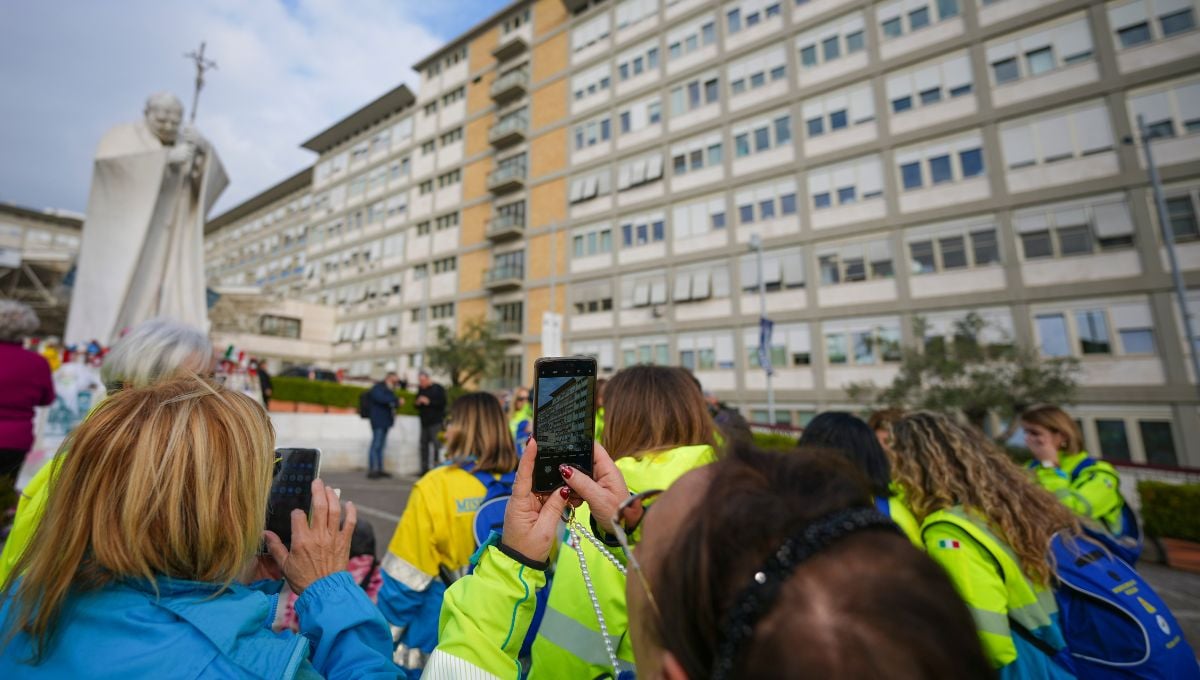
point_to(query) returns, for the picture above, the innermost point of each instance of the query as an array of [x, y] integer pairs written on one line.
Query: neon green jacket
[[599, 423], [522, 414], [1095, 494], [30, 508], [989, 578], [904, 519], [569, 644]]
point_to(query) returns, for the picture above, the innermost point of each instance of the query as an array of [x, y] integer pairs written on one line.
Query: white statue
[[142, 254]]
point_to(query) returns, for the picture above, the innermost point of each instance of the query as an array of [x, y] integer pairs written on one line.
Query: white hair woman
[[155, 350], [25, 383]]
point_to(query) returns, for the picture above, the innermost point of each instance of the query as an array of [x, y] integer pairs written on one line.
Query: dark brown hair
[[481, 431], [884, 419], [871, 605], [653, 408]]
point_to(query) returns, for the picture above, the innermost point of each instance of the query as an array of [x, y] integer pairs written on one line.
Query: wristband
[[520, 557]]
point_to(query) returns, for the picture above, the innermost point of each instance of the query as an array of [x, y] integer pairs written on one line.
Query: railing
[[510, 81], [509, 327], [504, 274], [505, 175], [508, 126], [506, 223]]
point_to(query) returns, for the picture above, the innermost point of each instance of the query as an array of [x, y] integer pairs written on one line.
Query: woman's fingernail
[[566, 471], [565, 492]]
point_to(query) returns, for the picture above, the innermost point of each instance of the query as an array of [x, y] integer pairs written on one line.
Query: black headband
[[756, 599]]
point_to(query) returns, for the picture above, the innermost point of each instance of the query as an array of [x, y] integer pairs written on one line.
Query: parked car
[[310, 372]]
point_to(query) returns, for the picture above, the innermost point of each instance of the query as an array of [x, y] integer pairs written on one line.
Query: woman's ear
[[671, 668]]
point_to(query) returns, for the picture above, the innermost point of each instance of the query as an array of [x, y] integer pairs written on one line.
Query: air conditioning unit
[[658, 312]]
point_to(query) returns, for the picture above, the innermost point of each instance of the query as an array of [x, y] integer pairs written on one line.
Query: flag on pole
[[765, 327]]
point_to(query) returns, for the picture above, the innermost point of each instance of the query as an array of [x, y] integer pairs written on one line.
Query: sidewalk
[[381, 502]]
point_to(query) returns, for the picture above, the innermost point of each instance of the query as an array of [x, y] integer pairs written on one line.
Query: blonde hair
[[660, 408], [942, 464], [1057, 421], [480, 430], [169, 480]]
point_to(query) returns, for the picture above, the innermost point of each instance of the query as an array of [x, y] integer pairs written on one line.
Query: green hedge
[[330, 394], [772, 441], [1171, 510]]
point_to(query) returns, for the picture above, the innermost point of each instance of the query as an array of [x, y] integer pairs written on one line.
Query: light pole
[[1168, 235], [764, 350]]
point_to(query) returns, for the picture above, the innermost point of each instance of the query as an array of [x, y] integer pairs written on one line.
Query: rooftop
[[59, 217], [397, 99], [263, 199], [468, 34]]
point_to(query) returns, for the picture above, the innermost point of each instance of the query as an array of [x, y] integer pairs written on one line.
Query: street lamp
[[764, 328]]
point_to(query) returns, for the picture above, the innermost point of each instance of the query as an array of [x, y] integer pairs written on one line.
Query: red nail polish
[[565, 492], [566, 471]]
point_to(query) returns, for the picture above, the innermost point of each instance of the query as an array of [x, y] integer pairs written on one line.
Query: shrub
[[1171, 510], [324, 393], [773, 441]]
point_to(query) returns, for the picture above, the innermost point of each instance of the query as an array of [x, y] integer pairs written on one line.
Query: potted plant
[[1171, 513]]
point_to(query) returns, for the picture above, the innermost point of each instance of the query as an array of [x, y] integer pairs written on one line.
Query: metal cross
[[202, 65]]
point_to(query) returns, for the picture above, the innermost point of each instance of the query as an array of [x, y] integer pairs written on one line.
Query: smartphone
[[564, 413], [291, 488]]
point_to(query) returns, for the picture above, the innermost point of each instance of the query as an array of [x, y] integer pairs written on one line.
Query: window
[[1093, 332], [651, 350], [930, 83], [457, 94], [694, 94], [452, 136], [1092, 327], [831, 41], [701, 283], [838, 110], [402, 131], [644, 290], [641, 59], [782, 270], [791, 346], [630, 12], [761, 135], [1158, 443], [449, 178], [592, 133], [592, 297], [425, 187], [1044, 48], [1144, 21], [855, 262], [640, 115], [766, 202], [447, 264], [1181, 213], [1114, 442], [904, 16], [428, 147], [590, 33], [640, 230], [592, 240], [862, 342], [444, 222], [697, 218], [941, 162], [757, 70], [639, 171], [859, 179], [706, 351], [600, 350], [1168, 111], [442, 311], [515, 21], [748, 14], [1058, 135], [1079, 228], [594, 81], [696, 154], [279, 326], [687, 39], [590, 186], [430, 109], [1052, 335]]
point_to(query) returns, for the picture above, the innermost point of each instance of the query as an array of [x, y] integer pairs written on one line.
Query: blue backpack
[[1115, 625], [1128, 544], [489, 518]]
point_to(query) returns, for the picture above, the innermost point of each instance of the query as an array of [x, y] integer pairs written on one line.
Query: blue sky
[[286, 70]]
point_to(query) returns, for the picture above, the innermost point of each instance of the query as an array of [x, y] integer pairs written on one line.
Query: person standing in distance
[[431, 407], [382, 413]]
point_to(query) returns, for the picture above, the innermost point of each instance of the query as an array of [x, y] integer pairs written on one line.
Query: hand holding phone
[[291, 488], [564, 413]]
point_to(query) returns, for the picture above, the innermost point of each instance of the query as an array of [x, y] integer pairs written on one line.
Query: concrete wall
[[345, 439]]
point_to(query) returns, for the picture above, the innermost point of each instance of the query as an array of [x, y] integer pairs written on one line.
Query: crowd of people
[[906, 546]]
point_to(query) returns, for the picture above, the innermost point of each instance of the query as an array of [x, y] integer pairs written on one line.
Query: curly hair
[[942, 464]]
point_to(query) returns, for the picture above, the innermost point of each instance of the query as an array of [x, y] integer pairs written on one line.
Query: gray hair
[[156, 350], [17, 321]]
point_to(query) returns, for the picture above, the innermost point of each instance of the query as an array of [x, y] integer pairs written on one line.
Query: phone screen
[[291, 488], [563, 418]]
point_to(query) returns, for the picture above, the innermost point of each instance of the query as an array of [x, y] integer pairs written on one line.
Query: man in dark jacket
[[431, 407], [382, 404]]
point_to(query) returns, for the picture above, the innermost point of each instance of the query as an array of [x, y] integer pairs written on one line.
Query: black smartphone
[[564, 413], [291, 488]]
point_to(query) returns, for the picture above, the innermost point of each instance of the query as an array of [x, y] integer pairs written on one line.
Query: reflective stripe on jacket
[[434, 532], [569, 644], [989, 578], [1095, 493]]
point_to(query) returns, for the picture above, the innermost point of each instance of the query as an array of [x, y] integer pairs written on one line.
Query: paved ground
[[382, 501]]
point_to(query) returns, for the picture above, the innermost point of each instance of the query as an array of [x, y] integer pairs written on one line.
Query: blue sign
[[765, 326]]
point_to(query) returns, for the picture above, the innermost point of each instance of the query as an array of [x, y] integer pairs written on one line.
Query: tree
[[965, 374], [475, 352]]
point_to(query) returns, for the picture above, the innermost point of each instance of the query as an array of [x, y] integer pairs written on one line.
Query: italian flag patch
[[946, 544]]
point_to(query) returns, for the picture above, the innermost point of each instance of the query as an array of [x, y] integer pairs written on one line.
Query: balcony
[[510, 331], [509, 131], [507, 277], [509, 47], [510, 86], [506, 178], [504, 227]]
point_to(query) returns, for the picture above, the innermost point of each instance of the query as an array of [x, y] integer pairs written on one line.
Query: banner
[[765, 327]]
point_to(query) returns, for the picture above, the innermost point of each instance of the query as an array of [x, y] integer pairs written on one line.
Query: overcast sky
[[287, 69]]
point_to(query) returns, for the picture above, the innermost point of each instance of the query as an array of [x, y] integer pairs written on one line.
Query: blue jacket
[[383, 406], [125, 631]]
